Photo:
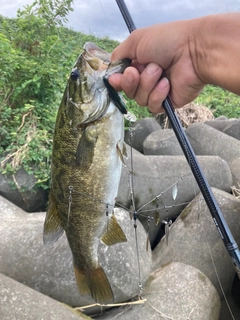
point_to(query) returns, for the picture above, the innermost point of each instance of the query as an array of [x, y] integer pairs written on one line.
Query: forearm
[[215, 50]]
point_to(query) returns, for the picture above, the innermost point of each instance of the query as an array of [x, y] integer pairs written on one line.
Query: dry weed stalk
[[111, 305], [15, 157], [236, 191], [190, 113]]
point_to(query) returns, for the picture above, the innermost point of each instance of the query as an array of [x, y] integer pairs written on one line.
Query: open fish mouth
[[100, 60]]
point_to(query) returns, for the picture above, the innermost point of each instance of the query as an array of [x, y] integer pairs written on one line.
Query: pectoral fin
[[122, 151], [85, 150], [114, 233], [52, 225]]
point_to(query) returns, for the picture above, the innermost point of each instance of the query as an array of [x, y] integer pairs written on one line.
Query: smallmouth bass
[[87, 156]]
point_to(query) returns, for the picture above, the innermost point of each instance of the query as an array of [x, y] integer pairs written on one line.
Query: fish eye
[[74, 74]]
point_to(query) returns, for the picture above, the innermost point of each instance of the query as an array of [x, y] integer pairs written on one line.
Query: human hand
[[160, 51]]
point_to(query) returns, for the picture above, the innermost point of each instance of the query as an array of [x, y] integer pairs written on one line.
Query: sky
[[102, 17]]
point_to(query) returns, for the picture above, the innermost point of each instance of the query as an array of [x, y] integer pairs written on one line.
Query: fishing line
[[72, 190], [69, 202], [139, 213], [158, 196], [166, 208], [109, 22], [213, 262], [131, 186], [205, 239]]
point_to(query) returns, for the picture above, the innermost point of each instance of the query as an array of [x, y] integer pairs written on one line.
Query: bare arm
[[215, 50], [188, 53]]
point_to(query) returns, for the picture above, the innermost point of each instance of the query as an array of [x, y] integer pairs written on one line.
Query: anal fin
[[114, 233], [94, 282], [52, 225]]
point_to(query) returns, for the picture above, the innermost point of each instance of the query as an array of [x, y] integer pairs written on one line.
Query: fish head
[[86, 95]]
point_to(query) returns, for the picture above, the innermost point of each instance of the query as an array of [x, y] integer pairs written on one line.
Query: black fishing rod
[[208, 196]]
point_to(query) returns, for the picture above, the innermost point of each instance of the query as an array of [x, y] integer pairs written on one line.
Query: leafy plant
[[220, 101], [33, 71]]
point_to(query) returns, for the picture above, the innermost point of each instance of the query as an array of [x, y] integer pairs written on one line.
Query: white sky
[[102, 17]]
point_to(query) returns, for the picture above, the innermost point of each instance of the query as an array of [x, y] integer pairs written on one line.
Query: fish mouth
[[100, 60]]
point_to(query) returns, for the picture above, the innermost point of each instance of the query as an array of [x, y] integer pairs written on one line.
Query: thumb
[[127, 49]]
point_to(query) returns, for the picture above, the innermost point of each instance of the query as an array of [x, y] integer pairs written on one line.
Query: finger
[[148, 80], [127, 49], [115, 81], [158, 95], [128, 81], [140, 67]]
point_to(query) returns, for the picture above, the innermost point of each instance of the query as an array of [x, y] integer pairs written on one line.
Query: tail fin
[[95, 283]]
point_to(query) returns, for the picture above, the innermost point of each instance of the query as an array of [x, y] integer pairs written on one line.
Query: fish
[[87, 157]]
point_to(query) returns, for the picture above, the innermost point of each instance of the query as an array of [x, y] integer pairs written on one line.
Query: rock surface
[[218, 123], [156, 175], [162, 142], [48, 269], [18, 302], [209, 141], [234, 166], [140, 130], [194, 240], [175, 291], [233, 129], [19, 191]]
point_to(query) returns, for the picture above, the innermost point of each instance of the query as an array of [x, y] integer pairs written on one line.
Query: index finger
[[128, 48]]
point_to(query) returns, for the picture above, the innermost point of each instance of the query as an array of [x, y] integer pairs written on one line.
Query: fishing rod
[[220, 222]]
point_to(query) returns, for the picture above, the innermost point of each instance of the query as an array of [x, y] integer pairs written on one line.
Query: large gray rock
[[162, 142], [194, 240], [218, 123], [19, 190], [175, 291], [233, 129], [140, 130], [234, 166], [156, 175], [209, 141], [48, 269], [222, 118], [18, 302]]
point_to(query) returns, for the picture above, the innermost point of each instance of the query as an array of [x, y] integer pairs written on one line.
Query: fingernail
[[152, 68], [164, 82]]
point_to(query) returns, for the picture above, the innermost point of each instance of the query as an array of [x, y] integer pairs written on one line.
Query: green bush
[[220, 101]]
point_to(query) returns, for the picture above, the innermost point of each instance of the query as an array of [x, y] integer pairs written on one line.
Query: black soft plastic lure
[[116, 98]]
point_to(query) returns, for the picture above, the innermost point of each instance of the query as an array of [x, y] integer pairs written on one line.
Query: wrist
[[198, 49], [214, 45]]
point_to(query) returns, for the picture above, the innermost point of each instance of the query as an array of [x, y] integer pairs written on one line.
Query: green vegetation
[[220, 102], [37, 53]]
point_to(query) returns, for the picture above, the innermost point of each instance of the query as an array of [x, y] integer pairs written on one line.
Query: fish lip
[[117, 66], [93, 51]]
